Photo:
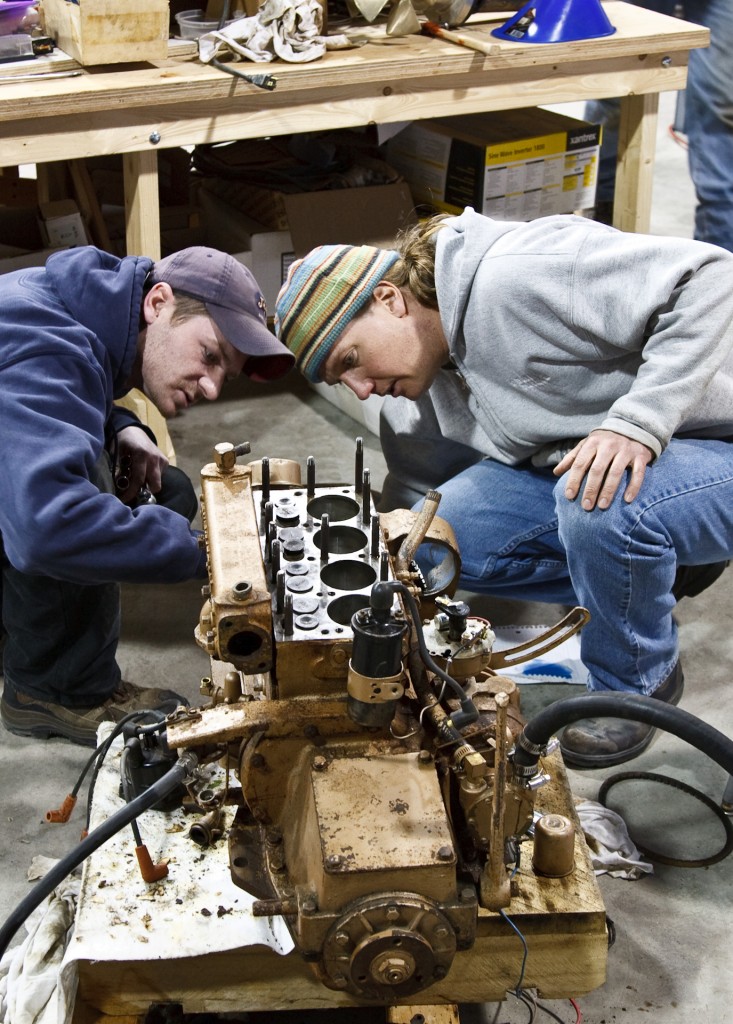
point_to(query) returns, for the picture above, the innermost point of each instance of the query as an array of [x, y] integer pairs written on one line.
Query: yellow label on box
[[526, 149]]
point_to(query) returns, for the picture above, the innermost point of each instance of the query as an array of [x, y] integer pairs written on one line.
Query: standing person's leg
[[61, 676], [708, 122], [623, 562], [607, 113]]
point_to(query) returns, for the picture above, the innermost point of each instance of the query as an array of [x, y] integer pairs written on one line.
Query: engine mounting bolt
[[333, 860], [320, 763], [467, 895], [441, 933], [342, 939], [445, 853], [425, 757], [392, 913], [339, 981], [309, 906]]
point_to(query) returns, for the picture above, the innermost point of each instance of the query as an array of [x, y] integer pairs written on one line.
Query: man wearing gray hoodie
[[569, 390]]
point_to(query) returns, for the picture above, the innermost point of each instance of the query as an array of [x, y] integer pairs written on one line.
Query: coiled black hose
[[649, 710], [114, 824]]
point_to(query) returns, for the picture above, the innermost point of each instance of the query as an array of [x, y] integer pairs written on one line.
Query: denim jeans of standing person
[[520, 538], [705, 116], [61, 637]]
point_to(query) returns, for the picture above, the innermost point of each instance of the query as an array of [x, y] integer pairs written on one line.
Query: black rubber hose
[[649, 710], [114, 824]]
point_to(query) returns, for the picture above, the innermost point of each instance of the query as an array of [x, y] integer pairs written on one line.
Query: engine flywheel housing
[[389, 946]]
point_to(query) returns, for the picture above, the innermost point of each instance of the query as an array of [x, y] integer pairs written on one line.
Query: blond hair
[[415, 268]]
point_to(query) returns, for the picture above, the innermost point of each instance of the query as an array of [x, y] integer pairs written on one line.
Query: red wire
[[578, 1012], [677, 137]]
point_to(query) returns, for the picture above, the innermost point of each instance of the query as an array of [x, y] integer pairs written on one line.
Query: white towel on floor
[[30, 992], [611, 848]]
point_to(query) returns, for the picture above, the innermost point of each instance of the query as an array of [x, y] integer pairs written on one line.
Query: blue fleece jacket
[[68, 340]]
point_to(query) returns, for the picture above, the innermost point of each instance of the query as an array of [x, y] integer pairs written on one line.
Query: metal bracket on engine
[[547, 641]]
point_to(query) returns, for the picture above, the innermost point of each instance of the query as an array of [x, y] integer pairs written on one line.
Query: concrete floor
[[671, 960]]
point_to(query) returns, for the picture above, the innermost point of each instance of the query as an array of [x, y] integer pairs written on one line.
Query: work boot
[[691, 580], [604, 742], [27, 716]]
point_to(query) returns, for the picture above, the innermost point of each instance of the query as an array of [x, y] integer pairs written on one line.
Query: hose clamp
[[537, 750]]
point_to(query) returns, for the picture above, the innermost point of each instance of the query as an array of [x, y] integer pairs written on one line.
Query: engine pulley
[[389, 946]]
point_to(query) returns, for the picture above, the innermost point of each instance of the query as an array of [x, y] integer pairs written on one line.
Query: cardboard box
[[19, 227], [109, 31], [372, 213], [62, 224], [268, 254], [12, 258], [511, 165], [355, 216]]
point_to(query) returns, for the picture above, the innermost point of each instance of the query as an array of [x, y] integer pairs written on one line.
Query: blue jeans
[[520, 538], [707, 120]]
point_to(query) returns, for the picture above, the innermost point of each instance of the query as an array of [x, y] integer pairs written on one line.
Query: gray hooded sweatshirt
[[561, 326]]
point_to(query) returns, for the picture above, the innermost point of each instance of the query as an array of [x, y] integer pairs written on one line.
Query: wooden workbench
[[138, 109]]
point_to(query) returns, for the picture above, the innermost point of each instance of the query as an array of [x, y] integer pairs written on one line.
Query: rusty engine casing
[[366, 818]]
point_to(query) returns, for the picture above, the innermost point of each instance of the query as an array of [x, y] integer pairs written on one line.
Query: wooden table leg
[[142, 208], [637, 140], [52, 181]]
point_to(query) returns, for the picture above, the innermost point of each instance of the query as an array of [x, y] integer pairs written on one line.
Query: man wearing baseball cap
[[76, 335]]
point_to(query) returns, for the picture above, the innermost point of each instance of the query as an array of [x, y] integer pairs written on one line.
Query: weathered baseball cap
[[234, 302]]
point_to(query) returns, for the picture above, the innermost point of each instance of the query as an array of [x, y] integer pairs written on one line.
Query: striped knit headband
[[322, 294]]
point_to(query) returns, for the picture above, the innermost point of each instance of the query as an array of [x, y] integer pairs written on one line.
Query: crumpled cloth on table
[[612, 851], [30, 992], [288, 29]]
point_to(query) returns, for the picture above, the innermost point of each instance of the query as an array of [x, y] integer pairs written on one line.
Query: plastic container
[[15, 47], [18, 16], [556, 21], [192, 24]]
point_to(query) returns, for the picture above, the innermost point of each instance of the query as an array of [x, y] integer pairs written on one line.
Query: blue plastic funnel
[[556, 21]]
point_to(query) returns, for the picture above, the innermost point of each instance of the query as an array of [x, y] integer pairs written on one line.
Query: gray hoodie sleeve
[[674, 300]]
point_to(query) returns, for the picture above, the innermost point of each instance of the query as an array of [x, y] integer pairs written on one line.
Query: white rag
[[288, 29], [612, 851], [29, 972]]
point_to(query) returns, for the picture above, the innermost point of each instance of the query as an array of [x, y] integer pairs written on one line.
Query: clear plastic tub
[[18, 16], [15, 47], [192, 24]]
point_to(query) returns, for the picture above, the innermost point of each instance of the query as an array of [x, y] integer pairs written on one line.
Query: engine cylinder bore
[[342, 609], [374, 684], [337, 506], [348, 574], [342, 540]]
